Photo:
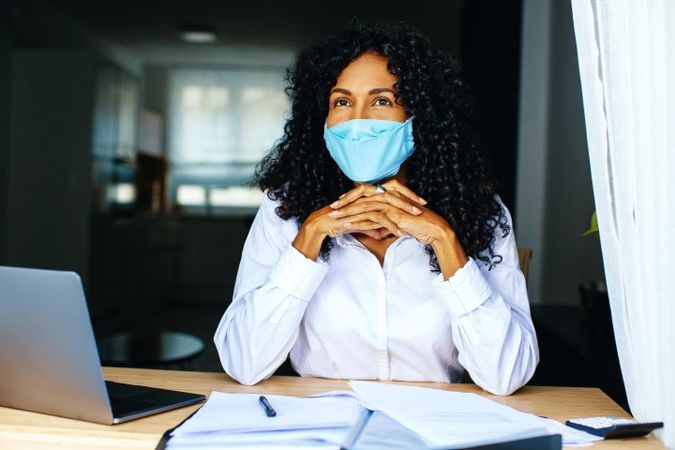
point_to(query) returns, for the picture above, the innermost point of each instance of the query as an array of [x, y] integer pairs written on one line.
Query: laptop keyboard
[[124, 399], [122, 407], [128, 399]]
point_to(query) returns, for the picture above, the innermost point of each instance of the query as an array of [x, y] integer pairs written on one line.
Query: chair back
[[524, 257]]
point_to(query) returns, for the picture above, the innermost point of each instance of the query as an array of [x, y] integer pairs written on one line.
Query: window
[[114, 139], [221, 123]]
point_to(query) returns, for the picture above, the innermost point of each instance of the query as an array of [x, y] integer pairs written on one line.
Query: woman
[[381, 250]]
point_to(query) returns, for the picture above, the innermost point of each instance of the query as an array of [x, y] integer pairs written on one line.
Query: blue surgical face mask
[[369, 150]]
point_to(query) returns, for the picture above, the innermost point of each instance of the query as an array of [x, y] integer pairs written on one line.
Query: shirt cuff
[[298, 275], [465, 291]]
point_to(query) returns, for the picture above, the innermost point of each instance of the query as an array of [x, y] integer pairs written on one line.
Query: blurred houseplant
[[593, 229], [593, 294]]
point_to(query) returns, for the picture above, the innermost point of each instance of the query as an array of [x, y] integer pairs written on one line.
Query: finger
[[397, 186], [374, 216], [357, 227], [399, 201], [356, 193], [363, 226], [377, 203], [405, 197], [359, 206]]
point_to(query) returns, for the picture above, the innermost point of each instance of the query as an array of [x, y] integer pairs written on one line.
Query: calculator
[[613, 427]]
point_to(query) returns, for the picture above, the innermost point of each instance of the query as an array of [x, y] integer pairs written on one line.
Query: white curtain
[[626, 54]]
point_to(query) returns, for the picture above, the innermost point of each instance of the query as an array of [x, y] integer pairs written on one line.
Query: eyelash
[[388, 102]]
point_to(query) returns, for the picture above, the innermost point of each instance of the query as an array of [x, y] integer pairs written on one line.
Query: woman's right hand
[[320, 224]]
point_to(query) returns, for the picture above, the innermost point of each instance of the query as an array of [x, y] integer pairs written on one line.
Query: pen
[[268, 408]]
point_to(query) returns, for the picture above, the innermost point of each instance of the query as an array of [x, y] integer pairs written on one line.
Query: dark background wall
[[51, 110], [490, 59], [4, 118], [45, 134], [553, 183], [569, 256], [4, 138]]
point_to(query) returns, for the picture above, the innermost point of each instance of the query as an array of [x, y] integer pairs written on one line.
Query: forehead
[[367, 71]]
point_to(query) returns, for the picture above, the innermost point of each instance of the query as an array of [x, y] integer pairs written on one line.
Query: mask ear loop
[[379, 189]]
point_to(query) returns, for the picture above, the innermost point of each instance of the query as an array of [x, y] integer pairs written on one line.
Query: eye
[[341, 102], [382, 101]]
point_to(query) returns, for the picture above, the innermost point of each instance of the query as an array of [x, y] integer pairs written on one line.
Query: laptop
[[48, 356]]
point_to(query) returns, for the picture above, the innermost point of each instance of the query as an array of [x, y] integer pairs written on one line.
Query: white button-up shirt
[[352, 318]]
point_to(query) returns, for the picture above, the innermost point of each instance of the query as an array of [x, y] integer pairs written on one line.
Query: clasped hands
[[398, 212]]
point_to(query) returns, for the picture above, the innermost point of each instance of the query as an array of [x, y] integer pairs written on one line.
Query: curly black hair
[[447, 168]]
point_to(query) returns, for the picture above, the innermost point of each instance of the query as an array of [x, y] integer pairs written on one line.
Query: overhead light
[[198, 37], [197, 34]]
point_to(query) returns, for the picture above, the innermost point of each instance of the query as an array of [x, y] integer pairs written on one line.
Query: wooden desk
[[22, 429]]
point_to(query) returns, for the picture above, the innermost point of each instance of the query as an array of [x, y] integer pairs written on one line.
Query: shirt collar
[[347, 240]]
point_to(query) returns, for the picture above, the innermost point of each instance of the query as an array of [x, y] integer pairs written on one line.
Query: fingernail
[[333, 213], [422, 201], [334, 204], [342, 195], [399, 232], [416, 210]]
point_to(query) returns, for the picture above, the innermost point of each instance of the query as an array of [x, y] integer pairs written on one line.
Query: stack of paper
[[454, 419], [405, 417], [238, 420]]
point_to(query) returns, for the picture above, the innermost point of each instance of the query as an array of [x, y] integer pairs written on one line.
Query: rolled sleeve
[[298, 275], [465, 291]]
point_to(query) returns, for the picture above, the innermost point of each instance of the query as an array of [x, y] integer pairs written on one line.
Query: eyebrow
[[371, 92], [380, 90]]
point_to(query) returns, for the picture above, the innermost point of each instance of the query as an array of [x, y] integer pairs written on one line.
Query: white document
[[345, 394], [239, 421], [452, 419], [244, 413], [440, 418]]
